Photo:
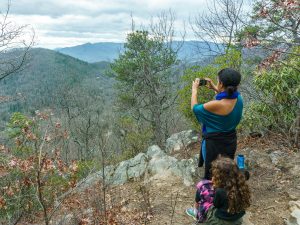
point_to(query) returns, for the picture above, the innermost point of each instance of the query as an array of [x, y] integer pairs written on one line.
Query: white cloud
[[59, 23]]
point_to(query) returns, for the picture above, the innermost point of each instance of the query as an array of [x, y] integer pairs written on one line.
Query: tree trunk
[[157, 127]]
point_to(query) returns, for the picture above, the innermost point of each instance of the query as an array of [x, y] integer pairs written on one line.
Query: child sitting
[[231, 194], [203, 200]]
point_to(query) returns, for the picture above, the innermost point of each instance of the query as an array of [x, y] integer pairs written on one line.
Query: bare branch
[[15, 42], [217, 27]]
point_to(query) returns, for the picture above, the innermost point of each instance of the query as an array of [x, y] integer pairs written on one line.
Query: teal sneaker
[[191, 212]]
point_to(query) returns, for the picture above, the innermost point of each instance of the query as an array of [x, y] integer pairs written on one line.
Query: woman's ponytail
[[230, 90]]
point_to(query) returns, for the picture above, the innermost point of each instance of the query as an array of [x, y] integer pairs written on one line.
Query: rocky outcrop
[[121, 173], [155, 162], [179, 141], [130, 169], [162, 164], [155, 150]]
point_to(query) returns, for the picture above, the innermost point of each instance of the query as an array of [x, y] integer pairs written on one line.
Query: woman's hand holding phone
[[195, 85], [210, 84]]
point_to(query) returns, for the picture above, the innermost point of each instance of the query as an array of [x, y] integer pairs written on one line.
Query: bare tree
[[104, 144], [163, 29], [15, 42], [218, 26]]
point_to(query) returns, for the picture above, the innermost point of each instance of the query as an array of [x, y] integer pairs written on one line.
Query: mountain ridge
[[109, 51]]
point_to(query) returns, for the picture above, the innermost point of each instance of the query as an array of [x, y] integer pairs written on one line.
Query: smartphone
[[202, 82]]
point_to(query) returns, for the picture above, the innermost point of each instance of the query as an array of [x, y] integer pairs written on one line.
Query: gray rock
[[185, 169], [71, 219], [154, 150], [109, 173], [294, 218], [120, 175], [97, 176], [181, 140], [132, 168], [196, 159], [137, 165], [276, 157], [154, 162], [159, 165], [168, 165], [88, 213]]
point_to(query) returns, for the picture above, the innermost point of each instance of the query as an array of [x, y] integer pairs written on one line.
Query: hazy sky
[[59, 23]]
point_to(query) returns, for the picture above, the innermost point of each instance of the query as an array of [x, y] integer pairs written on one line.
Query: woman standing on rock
[[219, 118]]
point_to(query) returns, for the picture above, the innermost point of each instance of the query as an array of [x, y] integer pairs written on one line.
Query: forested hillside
[[48, 78]]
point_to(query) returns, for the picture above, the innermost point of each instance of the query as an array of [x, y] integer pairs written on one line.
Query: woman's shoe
[[191, 212]]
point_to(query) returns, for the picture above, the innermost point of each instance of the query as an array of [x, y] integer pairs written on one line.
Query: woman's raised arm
[[195, 87]]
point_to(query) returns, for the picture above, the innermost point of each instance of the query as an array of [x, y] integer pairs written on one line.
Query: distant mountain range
[[109, 51]]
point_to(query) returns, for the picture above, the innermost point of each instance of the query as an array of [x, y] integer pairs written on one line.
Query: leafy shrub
[[35, 173], [279, 90]]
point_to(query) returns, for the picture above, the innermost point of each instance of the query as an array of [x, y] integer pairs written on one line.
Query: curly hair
[[225, 174]]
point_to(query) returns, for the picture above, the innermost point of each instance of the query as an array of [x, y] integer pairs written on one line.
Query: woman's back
[[219, 123]]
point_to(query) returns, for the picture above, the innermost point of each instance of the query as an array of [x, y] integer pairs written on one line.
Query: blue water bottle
[[240, 162]]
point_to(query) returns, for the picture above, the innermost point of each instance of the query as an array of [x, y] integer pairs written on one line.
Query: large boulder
[[181, 140], [166, 166], [129, 169], [154, 150], [137, 166], [160, 164], [294, 218], [186, 169], [119, 174], [109, 173], [155, 163], [71, 219], [97, 176]]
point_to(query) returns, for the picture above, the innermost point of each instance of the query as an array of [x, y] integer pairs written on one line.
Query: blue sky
[[60, 23]]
